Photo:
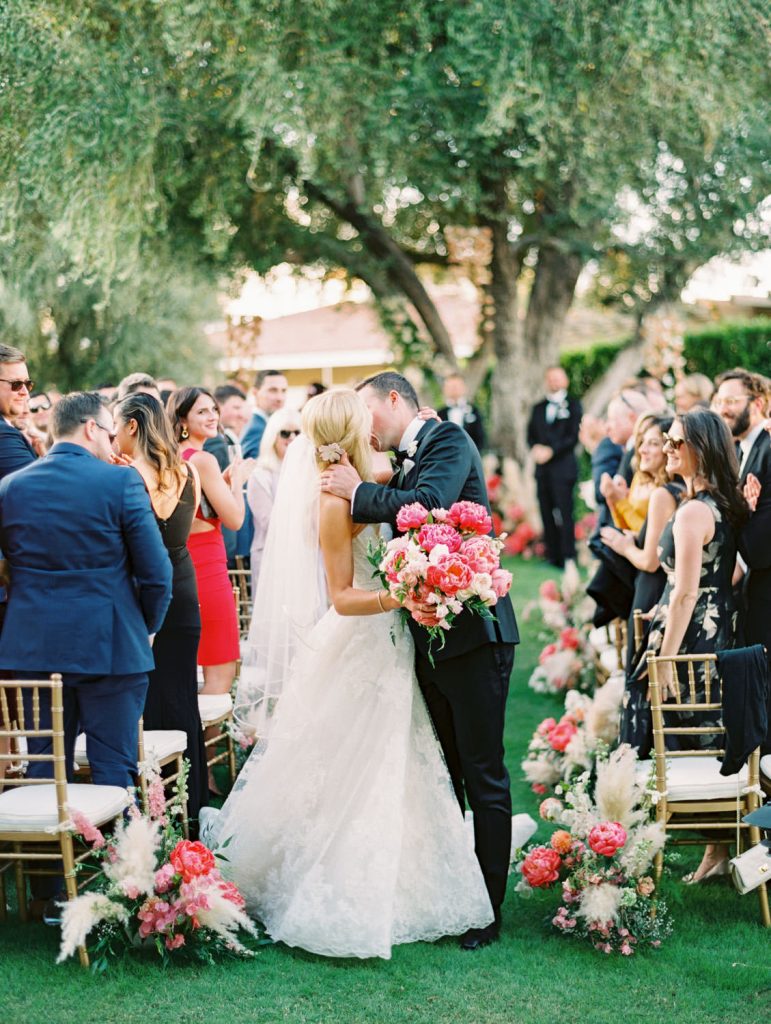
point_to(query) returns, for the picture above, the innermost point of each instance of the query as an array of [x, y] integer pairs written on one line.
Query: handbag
[[752, 868]]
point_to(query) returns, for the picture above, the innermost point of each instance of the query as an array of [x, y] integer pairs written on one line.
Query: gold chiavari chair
[[240, 580], [691, 794], [216, 710], [160, 748], [35, 812]]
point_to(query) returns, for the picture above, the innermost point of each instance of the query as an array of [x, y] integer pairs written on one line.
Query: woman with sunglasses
[[697, 550], [281, 429]]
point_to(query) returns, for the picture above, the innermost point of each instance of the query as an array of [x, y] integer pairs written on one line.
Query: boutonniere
[[411, 449]]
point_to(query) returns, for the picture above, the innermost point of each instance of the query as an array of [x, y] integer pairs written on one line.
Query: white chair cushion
[[33, 808], [699, 778], [163, 743], [765, 766], [212, 706], [609, 660]]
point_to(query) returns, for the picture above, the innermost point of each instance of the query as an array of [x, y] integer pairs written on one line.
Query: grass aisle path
[[715, 968]]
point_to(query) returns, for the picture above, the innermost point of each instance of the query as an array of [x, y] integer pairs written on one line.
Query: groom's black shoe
[[476, 938]]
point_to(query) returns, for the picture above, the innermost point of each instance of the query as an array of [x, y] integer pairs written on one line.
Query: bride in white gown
[[343, 832]]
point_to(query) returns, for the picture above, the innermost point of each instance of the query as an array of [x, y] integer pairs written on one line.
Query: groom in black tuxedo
[[438, 464]]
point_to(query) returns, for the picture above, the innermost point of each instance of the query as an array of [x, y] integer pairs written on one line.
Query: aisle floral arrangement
[[601, 859], [444, 558], [560, 615], [561, 749], [153, 889]]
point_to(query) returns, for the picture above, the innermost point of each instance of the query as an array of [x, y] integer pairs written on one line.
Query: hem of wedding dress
[[346, 954]]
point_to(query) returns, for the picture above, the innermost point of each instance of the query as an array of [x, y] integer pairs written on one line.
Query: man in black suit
[[459, 410], [741, 398], [552, 436], [466, 689]]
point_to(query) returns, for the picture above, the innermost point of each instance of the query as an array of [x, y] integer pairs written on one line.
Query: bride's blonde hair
[[339, 416]]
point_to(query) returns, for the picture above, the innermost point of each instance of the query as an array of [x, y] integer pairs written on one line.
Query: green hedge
[[724, 346], [709, 351]]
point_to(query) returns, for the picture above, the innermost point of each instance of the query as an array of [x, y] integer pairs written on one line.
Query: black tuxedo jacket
[[447, 468], [473, 424], [755, 542], [561, 436]]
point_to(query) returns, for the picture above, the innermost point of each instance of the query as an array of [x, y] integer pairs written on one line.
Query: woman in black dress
[[144, 437], [642, 552]]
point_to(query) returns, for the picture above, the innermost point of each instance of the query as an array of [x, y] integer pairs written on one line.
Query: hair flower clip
[[331, 452]]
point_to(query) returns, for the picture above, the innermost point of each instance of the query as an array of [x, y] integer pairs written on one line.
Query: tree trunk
[[524, 350]]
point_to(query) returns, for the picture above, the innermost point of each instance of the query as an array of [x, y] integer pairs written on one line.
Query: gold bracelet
[[380, 600]]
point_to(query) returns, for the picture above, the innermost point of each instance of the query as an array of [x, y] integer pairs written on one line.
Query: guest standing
[[194, 416], [552, 436], [144, 437], [697, 614], [91, 582], [282, 428], [15, 387], [269, 393], [459, 410]]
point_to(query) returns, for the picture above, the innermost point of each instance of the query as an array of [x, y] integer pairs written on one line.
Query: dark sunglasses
[[674, 442], [17, 385], [286, 434]]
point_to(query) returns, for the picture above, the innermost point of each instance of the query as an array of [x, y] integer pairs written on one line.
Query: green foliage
[[585, 366], [724, 346]]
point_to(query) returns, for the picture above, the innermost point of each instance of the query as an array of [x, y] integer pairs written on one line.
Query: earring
[[184, 434]]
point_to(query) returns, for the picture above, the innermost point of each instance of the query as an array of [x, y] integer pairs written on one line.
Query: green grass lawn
[[715, 968]]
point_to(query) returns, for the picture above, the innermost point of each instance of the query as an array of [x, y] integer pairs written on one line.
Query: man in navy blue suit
[[90, 585], [15, 388]]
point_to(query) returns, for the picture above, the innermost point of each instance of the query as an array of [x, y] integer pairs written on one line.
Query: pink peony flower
[[439, 533], [546, 726], [607, 837], [191, 860], [502, 580], [549, 591], [541, 867], [451, 575], [481, 554], [570, 638], [561, 841], [538, 788], [470, 517], [164, 876], [84, 827], [411, 517], [174, 941], [550, 808], [548, 652], [561, 735]]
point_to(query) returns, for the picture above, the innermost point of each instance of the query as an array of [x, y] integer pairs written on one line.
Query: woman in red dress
[[195, 417]]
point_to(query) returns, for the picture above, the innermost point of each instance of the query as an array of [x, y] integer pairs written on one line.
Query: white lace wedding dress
[[344, 834]]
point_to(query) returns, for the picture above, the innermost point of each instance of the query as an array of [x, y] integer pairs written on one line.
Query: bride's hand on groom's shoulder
[[340, 479]]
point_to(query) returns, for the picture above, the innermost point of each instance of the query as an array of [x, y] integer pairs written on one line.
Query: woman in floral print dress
[[696, 614]]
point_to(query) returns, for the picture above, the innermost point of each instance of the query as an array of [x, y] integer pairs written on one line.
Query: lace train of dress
[[344, 834]]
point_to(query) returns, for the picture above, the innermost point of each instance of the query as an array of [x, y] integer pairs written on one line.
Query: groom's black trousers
[[466, 698]]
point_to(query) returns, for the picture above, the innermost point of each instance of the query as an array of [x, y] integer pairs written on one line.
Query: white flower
[[133, 870], [330, 452], [600, 903], [438, 553], [411, 449], [80, 915]]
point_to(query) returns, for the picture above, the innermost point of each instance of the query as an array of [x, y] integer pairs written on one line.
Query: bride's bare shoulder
[[335, 514]]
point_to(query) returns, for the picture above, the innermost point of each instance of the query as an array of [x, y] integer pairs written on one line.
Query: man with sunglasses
[[15, 388]]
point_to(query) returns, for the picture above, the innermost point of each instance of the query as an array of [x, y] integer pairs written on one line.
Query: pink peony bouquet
[[149, 887], [446, 559]]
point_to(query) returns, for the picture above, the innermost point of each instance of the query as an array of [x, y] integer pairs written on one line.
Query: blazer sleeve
[[754, 543], [445, 463], [15, 453], [250, 442], [150, 563]]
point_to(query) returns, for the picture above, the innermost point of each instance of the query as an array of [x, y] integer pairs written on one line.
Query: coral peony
[[570, 637], [561, 735], [191, 860], [607, 837], [541, 867], [470, 517], [411, 517], [561, 841], [549, 591], [450, 574], [481, 553], [502, 580]]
